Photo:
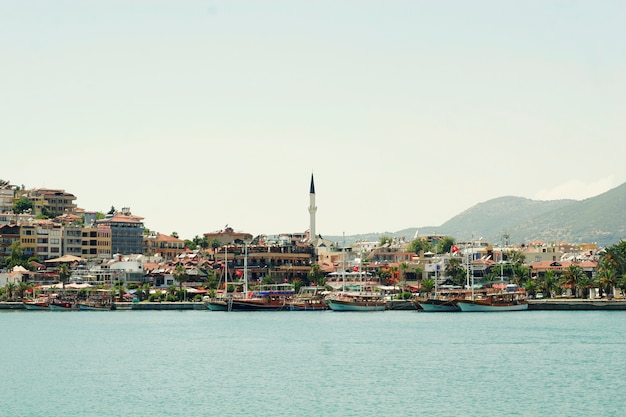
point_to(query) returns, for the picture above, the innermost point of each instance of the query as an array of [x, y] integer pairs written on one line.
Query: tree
[[418, 245], [445, 244], [180, 275], [174, 235], [607, 275], [427, 285], [571, 276], [64, 273], [547, 283], [455, 271], [385, 240], [10, 288], [22, 204], [316, 275], [403, 267]]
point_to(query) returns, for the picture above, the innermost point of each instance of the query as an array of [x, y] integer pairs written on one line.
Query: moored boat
[[356, 301], [96, 306], [439, 305], [37, 304], [58, 305], [269, 297], [309, 298], [500, 301]]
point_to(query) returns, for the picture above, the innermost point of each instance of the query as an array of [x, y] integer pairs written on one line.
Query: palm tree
[[392, 271], [180, 275], [571, 276], [64, 273], [22, 287], [427, 285], [607, 276], [316, 275], [403, 267], [455, 271], [547, 283], [10, 287]]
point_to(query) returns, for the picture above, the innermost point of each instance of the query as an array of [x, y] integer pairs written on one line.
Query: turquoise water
[[400, 363]]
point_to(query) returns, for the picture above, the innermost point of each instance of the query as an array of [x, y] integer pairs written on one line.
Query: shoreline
[[552, 304]]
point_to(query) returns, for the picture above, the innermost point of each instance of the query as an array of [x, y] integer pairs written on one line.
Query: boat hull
[[340, 305], [36, 306], [469, 306], [242, 305], [436, 306], [87, 307], [217, 305], [63, 306]]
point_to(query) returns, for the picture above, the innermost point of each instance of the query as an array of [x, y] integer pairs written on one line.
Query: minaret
[[312, 211]]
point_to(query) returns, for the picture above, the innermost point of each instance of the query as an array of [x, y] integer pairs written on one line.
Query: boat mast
[[343, 263], [245, 268]]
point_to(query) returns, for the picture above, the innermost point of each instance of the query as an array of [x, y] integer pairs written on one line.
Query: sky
[[201, 114]]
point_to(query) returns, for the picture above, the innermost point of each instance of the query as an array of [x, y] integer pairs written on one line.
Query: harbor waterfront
[[566, 304], [201, 363]]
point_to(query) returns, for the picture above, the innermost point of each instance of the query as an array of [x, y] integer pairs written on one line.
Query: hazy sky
[[198, 114]]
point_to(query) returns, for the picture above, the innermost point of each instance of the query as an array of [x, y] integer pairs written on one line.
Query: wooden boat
[[40, 303], [499, 301], [96, 306], [360, 300], [58, 305], [310, 298], [270, 297]]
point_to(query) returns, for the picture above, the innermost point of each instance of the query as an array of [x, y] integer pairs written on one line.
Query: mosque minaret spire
[[312, 210]]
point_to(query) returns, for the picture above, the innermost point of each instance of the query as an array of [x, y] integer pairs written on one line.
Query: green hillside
[[600, 219]]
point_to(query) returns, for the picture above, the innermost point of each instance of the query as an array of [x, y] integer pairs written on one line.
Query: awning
[[65, 258]]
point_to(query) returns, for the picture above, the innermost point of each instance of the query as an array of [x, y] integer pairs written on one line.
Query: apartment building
[[167, 247], [126, 232]]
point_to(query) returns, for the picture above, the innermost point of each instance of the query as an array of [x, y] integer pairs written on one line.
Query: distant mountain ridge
[[600, 219]]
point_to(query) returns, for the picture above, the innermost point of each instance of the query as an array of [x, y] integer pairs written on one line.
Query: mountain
[[600, 219]]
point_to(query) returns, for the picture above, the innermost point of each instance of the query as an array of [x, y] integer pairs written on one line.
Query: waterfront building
[[96, 241], [158, 244], [51, 202], [227, 236], [28, 239], [9, 233], [72, 239], [126, 232], [49, 240]]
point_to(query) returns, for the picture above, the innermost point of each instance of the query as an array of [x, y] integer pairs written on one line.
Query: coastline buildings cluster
[[116, 247]]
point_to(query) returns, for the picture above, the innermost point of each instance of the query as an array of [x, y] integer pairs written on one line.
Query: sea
[[392, 363]]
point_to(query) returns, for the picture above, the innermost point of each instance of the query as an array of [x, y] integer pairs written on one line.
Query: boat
[[268, 297], [496, 301], [59, 305], [96, 306], [40, 303], [441, 302], [507, 298], [358, 300], [358, 295], [309, 298]]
